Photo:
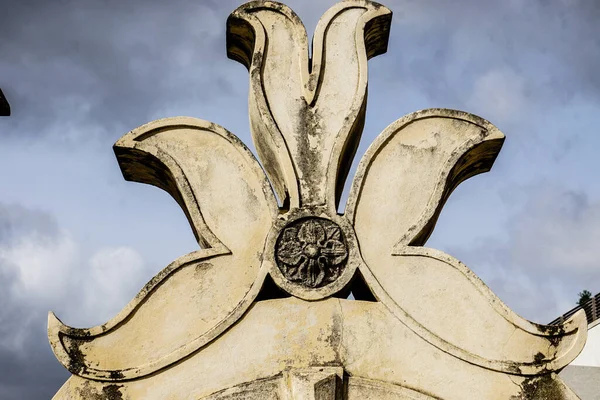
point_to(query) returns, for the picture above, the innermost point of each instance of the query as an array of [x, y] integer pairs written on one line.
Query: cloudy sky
[[77, 239]]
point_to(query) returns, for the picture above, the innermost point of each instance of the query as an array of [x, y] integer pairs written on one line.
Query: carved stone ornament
[[311, 251], [261, 310]]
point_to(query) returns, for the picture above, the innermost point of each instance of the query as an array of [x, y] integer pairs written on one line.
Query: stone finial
[[307, 113], [261, 310]]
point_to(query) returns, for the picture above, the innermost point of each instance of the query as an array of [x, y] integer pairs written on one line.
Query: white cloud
[[559, 231], [49, 271], [113, 279], [549, 256], [499, 94], [42, 265]]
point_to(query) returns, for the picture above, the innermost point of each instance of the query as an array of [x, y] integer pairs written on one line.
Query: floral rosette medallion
[[265, 298], [311, 252]]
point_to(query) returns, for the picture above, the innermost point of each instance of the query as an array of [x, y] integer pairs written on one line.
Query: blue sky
[[77, 239]]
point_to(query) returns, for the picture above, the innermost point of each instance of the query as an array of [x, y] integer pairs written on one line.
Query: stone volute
[[261, 310]]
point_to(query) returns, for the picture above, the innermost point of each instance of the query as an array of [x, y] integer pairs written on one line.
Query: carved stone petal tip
[[305, 121], [219, 185]]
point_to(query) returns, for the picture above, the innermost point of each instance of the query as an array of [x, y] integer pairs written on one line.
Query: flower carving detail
[[311, 252]]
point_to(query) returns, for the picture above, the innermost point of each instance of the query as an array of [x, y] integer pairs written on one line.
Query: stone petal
[[290, 234], [209, 172], [335, 251], [311, 232], [289, 252], [334, 232], [300, 272], [230, 206], [315, 274], [442, 300], [409, 171], [294, 95], [151, 333]]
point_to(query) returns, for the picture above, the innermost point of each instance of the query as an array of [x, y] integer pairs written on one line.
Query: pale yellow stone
[[260, 312]]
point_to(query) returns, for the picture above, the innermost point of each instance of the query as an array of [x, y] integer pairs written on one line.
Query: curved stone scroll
[[399, 190], [443, 302], [306, 122], [211, 174], [409, 171], [267, 355], [219, 184]]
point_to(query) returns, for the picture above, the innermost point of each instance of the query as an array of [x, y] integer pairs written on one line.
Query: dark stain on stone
[[538, 359], [109, 392], [309, 160], [77, 363], [540, 388], [112, 392], [76, 358], [555, 333], [554, 330], [116, 375], [201, 268], [513, 368], [555, 340]]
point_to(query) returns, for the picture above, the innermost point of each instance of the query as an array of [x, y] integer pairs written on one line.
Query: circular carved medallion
[[311, 252]]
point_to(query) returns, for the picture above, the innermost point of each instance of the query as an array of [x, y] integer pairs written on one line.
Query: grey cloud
[[17, 221], [113, 64], [109, 63], [553, 44], [42, 269], [28, 368], [549, 255], [36, 377], [117, 64], [32, 372]]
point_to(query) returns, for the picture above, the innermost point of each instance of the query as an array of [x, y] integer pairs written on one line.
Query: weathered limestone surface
[[260, 312]]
